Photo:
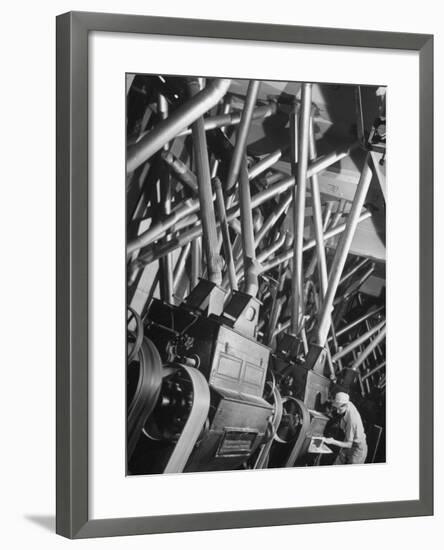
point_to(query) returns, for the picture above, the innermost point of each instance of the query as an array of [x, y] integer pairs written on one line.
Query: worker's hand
[[329, 440]]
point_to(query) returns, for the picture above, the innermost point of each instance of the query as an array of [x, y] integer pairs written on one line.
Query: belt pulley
[[147, 391]]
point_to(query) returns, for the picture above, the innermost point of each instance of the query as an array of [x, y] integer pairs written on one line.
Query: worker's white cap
[[341, 398]]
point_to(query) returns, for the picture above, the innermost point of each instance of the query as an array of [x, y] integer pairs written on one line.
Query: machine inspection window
[[256, 274]]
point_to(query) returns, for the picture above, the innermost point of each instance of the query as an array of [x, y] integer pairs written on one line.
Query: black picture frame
[[72, 518]]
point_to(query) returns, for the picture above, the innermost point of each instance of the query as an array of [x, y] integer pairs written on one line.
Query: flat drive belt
[[262, 459], [195, 422], [146, 394], [305, 424]]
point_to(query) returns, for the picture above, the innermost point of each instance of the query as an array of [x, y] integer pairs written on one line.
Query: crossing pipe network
[[178, 120]]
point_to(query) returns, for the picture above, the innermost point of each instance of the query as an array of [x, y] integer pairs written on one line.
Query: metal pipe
[[368, 326], [363, 356], [222, 215], [166, 264], [327, 215], [235, 225], [180, 119], [264, 164], [214, 167], [273, 218], [317, 216], [164, 193], [184, 223], [355, 286], [242, 133], [340, 211], [275, 287], [152, 291], [304, 338], [239, 258], [180, 264], [191, 234], [334, 341], [166, 281], [342, 252], [314, 260], [361, 384], [285, 256], [324, 162], [271, 178], [358, 321], [226, 108], [153, 233], [355, 354], [272, 249], [281, 327], [366, 381], [275, 314], [246, 216], [361, 339], [359, 115], [331, 367], [233, 119], [303, 132], [374, 371], [354, 269], [180, 170], [209, 231], [269, 193], [196, 263]]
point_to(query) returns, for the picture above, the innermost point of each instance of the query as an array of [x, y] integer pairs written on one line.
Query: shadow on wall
[[46, 522]]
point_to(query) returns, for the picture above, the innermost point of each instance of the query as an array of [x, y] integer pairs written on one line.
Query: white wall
[[27, 269]]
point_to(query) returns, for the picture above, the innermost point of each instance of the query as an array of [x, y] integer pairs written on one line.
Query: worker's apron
[[356, 455]]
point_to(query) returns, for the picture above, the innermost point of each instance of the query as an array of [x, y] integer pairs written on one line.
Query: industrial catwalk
[[256, 280]]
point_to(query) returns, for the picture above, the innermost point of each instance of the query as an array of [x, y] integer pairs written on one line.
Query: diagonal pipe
[[301, 142], [317, 217], [209, 231], [222, 215], [180, 119], [273, 218], [247, 231], [233, 119], [360, 340], [288, 255], [242, 133], [342, 251], [368, 350]]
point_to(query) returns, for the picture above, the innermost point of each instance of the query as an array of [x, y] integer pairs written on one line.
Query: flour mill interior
[[256, 274]]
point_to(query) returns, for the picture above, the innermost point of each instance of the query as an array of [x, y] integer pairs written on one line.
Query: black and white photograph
[[219, 232], [256, 222]]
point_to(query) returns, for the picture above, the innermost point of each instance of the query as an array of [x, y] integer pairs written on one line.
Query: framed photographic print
[[244, 274]]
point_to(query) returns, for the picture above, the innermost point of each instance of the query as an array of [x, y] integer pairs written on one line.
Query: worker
[[353, 450]]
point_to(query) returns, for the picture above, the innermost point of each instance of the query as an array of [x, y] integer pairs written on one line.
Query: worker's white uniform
[[351, 424]]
